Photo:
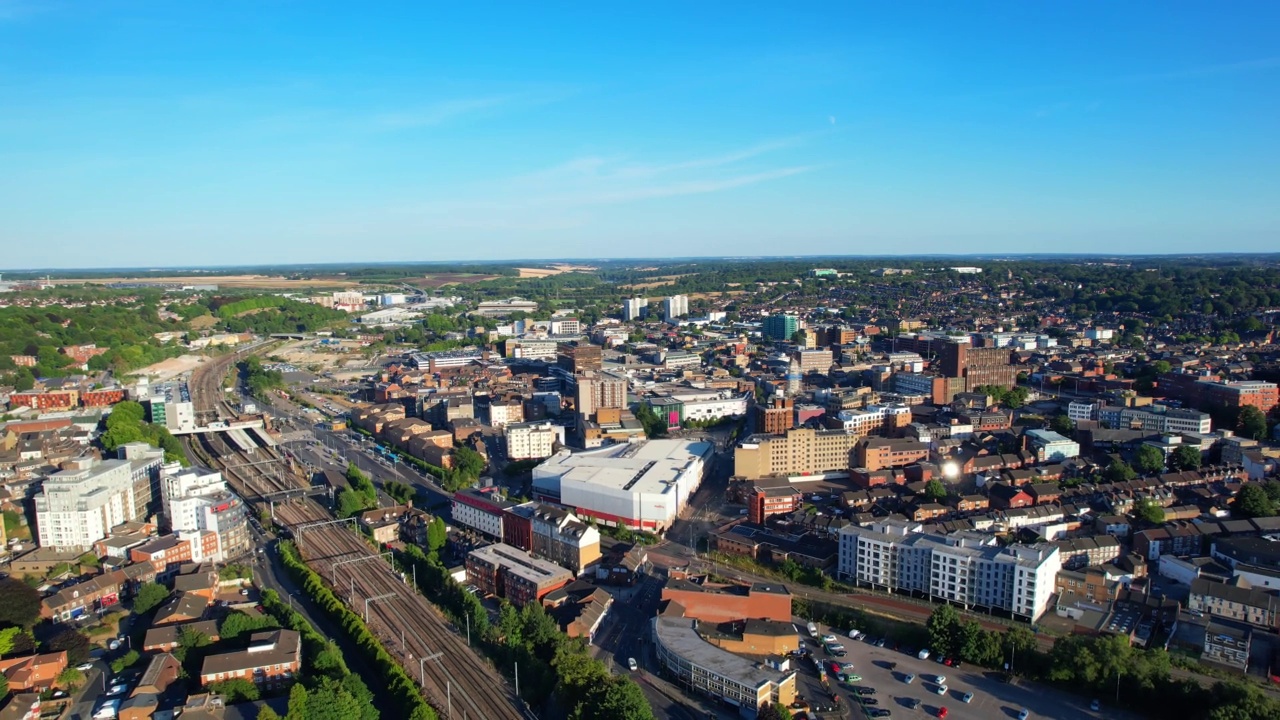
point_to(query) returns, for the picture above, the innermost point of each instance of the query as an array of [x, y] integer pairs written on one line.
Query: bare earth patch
[[222, 281]]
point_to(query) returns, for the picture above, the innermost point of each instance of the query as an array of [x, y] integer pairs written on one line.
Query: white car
[[631, 663], [923, 654], [856, 634], [941, 690], [1023, 714], [829, 639], [84, 667], [940, 679], [966, 698]]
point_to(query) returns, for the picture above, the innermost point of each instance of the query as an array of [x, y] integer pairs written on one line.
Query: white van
[[813, 631]]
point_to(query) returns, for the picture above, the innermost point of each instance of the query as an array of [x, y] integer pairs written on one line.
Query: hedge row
[[401, 688]]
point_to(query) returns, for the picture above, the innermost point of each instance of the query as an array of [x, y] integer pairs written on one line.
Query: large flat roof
[[680, 636], [648, 467]]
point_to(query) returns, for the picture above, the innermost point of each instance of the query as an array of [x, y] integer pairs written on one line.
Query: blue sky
[[174, 134]]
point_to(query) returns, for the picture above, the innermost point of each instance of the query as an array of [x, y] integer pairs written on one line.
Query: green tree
[[7, 637], [1187, 457], [1252, 423], [352, 502], [1253, 501], [1149, 512], [468, 463], [266, 713], [70, 679], [239, 624], [774, 711], [19, 603], [128, 660], [71, 640], [1119, 471], [4, 686], [297, 702], [150, 596], [1062, 425], [935, 490], [1149, 459], [235, 690], [437, 535], [944, 629]]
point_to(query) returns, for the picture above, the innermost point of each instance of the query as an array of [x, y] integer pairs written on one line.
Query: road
[[85, 700]]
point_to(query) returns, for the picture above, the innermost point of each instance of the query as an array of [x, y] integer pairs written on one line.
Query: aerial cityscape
[[700, 361]]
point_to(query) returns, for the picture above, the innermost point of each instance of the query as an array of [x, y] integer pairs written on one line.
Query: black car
[[913, 703], [878, 712], [864, 691], [868, 701]]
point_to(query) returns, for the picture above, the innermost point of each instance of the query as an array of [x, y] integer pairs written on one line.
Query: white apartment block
[[676, 306], [79, 505], [874, 419], [966, 568], [197, 502], [528, 441], [634, 308]]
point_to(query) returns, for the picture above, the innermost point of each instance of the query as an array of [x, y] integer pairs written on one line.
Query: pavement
[[992, 698]]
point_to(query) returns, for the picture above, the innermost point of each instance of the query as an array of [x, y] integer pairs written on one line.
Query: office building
[[1050, 446], [503, 308], [707, 669], [1151, 418], [966, 568], [481, 510], [510, 572], [730, 603], [801, 451], [674, 307], [780, 327], [642, 485], [814, 361], [575, 357], [635, 308]]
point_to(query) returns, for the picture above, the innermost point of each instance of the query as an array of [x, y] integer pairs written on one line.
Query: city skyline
[[249, 135]]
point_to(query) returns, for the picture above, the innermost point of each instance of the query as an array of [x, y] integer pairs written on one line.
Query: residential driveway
[[992, 699]]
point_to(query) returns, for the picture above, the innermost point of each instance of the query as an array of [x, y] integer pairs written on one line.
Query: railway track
[[452, 676]]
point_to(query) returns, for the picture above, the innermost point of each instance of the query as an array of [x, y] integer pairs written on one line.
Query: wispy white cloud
[[568, 194], [440, 112]]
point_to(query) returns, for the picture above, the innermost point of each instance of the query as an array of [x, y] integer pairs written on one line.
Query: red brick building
[[879, 453], [82, 353], [1007, 497], [51, 400], [729, 603], [101, 398]]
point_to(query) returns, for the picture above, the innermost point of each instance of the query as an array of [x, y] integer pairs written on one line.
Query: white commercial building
[[1155, 419], [527, 441], [874, 419], [640, 485], [79, 505], [967, 568]]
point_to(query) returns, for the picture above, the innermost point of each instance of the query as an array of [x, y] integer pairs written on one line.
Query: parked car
[[1095, 705], [941, 690], [864, 690], [942, 711], [868, 701], [923, 654], [1023, 714], [940, 679], [84, 667], [913, 703], [910, 678], [829, 639], [967, 697], [878, 712], [631, 663]]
